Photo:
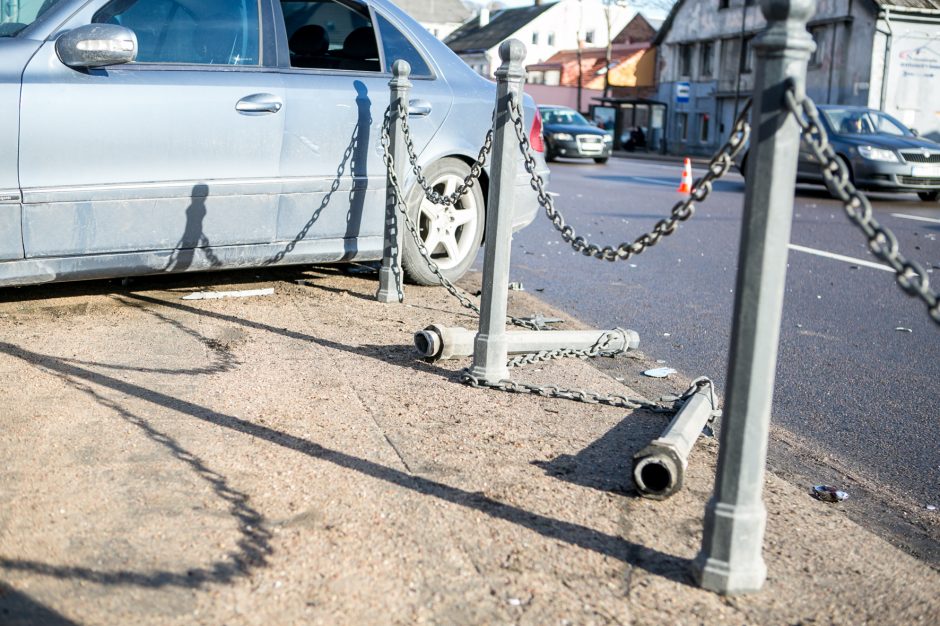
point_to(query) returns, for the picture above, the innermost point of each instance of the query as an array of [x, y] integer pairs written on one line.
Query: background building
[[879, 53], [440, 17], [544, 27]]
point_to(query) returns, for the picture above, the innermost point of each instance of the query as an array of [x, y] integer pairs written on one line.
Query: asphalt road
[[857, 401]]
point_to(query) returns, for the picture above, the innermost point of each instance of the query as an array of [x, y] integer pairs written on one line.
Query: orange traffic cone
[[686, 185]]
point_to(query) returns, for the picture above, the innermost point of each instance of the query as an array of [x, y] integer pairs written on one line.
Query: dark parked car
[[568, 134], [881, 153]]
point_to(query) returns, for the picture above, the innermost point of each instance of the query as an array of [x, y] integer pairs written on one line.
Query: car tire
[[929, 196], [455, 233], [550, 156], [600, 160]]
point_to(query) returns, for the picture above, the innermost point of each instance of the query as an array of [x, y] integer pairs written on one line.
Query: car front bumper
[[580, 148], [879, 175]]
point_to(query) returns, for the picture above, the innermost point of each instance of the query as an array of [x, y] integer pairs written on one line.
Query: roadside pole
[[490, 353], [390, 274], [730, 560]]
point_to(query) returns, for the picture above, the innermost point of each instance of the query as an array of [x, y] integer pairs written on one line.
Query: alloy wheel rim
[[449, 232]]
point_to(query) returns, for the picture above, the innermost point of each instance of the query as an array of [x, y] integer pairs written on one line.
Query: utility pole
[[580, 67]]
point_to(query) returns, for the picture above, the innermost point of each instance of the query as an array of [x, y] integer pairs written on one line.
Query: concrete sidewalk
[[288, 460]]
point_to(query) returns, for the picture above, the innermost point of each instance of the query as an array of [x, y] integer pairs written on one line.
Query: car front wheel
[[451, 234], [929, 196]]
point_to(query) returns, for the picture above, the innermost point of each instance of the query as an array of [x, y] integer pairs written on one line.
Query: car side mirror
[[97, 45], [914, 132]]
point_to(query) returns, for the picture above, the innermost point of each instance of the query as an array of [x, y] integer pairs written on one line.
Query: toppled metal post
[[390, 275], [440, 343], [659, 468], [731, 559], [490, 353]]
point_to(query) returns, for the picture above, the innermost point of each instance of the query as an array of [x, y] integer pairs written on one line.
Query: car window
[[208, 32], [563, 116], [15, 15], [396, 46], [326, 34], [889, 126], [863, 122]]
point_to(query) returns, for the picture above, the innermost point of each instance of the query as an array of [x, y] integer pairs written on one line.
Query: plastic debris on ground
[[218, 295], [829, 494], [516, 287], [931, 507], [660, 372], [901, 329]]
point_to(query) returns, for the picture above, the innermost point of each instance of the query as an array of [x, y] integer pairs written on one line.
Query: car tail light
[[535, 135]]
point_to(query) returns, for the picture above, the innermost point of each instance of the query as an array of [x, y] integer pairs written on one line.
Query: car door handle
[[419, 108], [259, 103]]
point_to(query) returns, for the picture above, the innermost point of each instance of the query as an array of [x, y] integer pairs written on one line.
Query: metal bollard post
[[489, 355], [659, 468], [730, 560], [390, 275], [441, 343]]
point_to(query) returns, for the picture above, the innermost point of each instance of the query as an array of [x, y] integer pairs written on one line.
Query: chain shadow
[[253, 547], [668, 566], [355, 156], [225, 361], [401, 356]]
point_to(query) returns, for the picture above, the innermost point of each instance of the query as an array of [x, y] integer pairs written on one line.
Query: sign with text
[[682, 92]]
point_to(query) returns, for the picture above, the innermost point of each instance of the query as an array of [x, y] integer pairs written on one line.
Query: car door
[[332, 204], [179, 150], [14, 53]]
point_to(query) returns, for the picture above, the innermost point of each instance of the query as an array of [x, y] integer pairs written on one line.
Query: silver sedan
[[148, 136]]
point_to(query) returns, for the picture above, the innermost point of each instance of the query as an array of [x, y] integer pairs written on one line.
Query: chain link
[[476, 168], [910, 275], [389, 159], [719, 165]]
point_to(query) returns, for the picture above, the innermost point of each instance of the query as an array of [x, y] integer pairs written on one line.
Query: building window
[[818, 33], [551, 39], [553, 77], [589, 37], [747, 55], [535, 38], [682, 126], [535, 77], [703, 126], [708, 53], [685, 59]]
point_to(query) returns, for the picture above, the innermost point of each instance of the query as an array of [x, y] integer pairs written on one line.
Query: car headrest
[[360, 44], [310, 40]]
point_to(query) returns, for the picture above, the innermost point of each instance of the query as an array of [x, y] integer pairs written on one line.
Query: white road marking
[[918, 218], [653, 181], [839, 257]]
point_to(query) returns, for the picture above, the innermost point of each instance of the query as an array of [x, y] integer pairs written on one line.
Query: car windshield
[[15, 15], [563, 116], [864, 122]]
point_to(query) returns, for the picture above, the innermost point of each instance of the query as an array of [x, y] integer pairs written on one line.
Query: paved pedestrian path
[[287, 460]]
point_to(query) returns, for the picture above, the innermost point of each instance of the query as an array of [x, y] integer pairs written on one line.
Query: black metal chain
[[719, 165]]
